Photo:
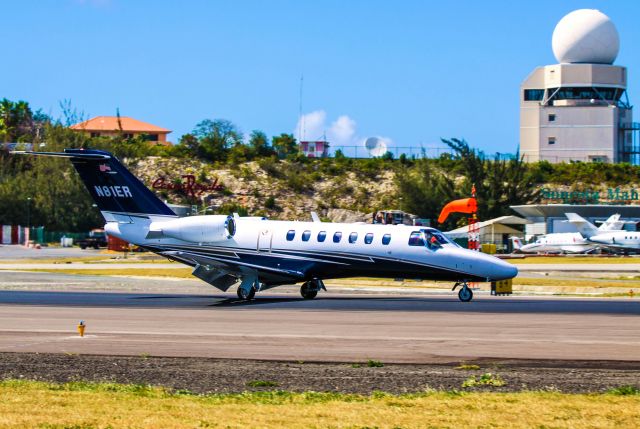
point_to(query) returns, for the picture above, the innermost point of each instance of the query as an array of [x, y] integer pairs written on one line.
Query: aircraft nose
[[506, 271], [500, 270]]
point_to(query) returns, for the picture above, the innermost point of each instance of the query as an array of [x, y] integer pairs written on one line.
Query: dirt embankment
[[224, 376]]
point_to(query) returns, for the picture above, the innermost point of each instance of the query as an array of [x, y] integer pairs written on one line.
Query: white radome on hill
[[585, 36]]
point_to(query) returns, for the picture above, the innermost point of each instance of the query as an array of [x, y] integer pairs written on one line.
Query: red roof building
[[112, 126]]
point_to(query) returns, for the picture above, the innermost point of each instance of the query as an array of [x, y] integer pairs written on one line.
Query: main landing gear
[[246, 295], [248, 288], [310, 289], [465, 294]]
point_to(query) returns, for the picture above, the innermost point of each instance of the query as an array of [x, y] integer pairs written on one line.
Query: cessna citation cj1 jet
[[260, 253]]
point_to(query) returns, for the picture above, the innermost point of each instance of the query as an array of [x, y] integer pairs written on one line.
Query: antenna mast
[[301, 129]]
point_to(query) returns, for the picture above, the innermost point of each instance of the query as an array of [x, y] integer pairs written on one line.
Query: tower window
[[533, 94], [552, 117], [551, 140]]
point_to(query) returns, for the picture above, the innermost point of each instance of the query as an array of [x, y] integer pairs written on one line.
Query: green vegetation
[[467, 367], [374, 363], [486, 379], [262, 383], [94, 405], [51, 192]]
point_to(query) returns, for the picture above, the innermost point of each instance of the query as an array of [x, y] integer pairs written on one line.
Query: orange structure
[[112, 126], [465, 205]]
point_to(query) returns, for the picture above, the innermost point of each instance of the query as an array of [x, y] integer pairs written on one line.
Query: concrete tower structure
[[578, 110]]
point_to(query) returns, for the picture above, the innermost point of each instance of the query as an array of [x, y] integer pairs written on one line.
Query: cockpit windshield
[[430, 238]]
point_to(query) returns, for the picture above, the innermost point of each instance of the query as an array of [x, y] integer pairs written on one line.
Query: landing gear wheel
[[307, 292], [246, 295], [465, 294]]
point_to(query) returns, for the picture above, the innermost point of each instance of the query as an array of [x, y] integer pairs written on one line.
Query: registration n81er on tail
[[257, 254]]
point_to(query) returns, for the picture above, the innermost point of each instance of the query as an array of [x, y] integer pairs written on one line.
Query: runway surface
[[39, 313]]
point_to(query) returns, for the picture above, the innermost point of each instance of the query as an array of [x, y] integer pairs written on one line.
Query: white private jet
[[259, 254], [617, 241], [569, 242]]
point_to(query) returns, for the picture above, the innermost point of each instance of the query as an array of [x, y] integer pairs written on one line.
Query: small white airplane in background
[[617, 241], [260, 254], [569, 242]]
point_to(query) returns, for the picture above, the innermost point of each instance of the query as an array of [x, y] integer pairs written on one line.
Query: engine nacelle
[[196, 229]]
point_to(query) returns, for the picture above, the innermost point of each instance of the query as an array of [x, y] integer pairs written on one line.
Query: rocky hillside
[[277, 189]]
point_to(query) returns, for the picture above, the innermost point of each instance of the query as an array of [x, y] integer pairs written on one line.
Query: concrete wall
[[581, 130]]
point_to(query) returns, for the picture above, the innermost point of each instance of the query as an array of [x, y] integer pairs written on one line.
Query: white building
[[578, 110]]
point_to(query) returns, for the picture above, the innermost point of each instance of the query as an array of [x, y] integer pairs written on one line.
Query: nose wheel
[[465, 294]]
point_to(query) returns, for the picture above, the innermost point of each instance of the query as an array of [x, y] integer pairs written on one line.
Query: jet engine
[[195, 229]]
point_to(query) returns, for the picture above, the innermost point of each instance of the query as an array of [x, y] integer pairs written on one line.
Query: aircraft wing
[[223, 272]]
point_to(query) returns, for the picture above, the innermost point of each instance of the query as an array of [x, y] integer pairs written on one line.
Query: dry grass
[[31, 404], [586, 282], [180, 273], [104, 258], [588, 260]]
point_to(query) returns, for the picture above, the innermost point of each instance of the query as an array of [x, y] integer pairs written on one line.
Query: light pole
[[28, 212], [26, 238]]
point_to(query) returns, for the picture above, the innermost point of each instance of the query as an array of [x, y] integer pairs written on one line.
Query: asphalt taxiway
[[134, 316]]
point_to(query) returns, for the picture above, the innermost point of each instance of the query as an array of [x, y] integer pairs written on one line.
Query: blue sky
[[409, 71]]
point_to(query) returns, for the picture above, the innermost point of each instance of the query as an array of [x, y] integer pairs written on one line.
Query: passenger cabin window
[[306, 235], [353, 237], [386, 239], [337, 237], [368, 239], [291, 234], [322, 235], [415, 239]]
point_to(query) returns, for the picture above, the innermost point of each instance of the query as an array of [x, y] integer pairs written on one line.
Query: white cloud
[[311, 126], [341, 133]]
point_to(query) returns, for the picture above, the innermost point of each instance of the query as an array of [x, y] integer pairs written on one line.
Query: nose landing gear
[[465, 294]]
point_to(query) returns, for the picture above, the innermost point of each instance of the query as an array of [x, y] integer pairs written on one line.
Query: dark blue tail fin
[[112, 186]]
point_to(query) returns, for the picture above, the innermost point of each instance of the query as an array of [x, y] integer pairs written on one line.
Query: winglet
[[314, 217]]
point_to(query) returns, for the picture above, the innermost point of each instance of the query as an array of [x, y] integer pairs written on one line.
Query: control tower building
[[578, 110]]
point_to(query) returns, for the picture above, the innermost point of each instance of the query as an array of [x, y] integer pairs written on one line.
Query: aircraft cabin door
[[265, 238]]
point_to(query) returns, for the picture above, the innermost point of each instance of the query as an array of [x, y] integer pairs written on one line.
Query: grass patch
[[530, 281], [486, 379], [180, 273], [466, 367], [262, 383], [85, 405], [590, 260], [106, 258], [374, 364], [625, 391]]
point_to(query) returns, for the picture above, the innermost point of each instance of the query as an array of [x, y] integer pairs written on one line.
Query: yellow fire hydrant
[[81, 327]]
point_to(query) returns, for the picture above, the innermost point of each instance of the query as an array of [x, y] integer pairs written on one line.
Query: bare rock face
[[347, 216], [344, 197]]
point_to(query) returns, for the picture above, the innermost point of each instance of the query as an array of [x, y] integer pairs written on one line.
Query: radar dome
[[585, 36]]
